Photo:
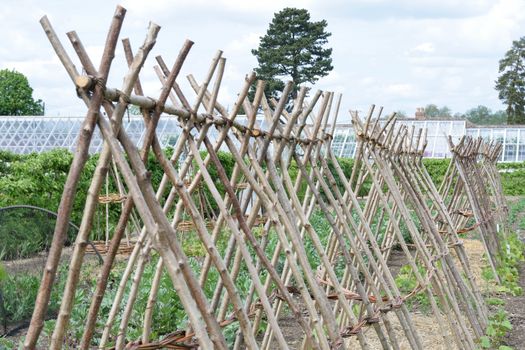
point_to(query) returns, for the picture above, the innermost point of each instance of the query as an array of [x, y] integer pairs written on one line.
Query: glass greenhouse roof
[[40, 134]]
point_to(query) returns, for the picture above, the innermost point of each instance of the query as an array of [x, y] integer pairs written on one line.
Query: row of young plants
[[510, 259], [18, 310], [38, 179]]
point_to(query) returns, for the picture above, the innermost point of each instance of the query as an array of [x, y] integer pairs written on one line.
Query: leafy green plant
[[515, 209], [497, 328], [510, 260], [437, 169], [322, 228], [7, 344], [512, 176], [3, 273], [3, 316], [494, 301], [20, 290], [406, 282]]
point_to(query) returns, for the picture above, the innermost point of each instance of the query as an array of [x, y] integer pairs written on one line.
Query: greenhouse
[[44, 133], [512, 138], [344, 143]]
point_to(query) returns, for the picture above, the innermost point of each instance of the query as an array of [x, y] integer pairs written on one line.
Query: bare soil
[[426, 323]]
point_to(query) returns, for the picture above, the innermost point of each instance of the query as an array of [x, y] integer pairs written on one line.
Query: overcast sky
[[398, 54]]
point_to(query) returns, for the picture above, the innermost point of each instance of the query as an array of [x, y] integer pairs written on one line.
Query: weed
[[406, 282], [509, 260], [498, 326]]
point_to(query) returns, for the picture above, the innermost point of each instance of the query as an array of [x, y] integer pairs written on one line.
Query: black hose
[[25, 206], [2, 311]]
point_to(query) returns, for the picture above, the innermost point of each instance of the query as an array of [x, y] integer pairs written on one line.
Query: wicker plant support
[[261, 205]]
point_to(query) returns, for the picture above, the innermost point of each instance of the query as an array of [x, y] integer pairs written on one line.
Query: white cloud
[[156, 6], [400, 54], [267, 6], [452, 83], [334, 77], [368, 80], [495, 29], [424, 48], [400, 90], [244, 44]]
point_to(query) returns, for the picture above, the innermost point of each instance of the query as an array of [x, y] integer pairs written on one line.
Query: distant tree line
[[480, 115]]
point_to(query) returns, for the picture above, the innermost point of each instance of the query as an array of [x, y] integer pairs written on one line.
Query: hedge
[[38, 178]]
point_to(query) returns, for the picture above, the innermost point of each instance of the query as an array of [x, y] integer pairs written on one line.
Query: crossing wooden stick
[[150, 133], [210, 152], [384, 172], [79, 160], [152, 202], [464, 165], [91, 202]]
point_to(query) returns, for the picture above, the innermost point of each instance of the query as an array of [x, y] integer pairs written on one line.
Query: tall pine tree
[[293, 48], [511, 82]]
